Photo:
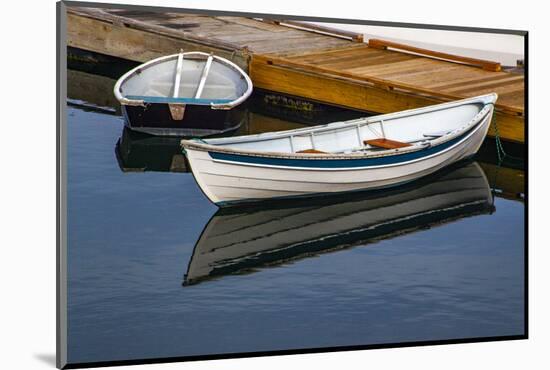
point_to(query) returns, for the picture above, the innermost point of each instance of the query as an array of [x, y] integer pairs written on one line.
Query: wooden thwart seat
[[312, 151], [386, 143]]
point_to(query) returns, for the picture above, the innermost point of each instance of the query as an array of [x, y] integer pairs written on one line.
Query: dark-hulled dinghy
[[185, 94]]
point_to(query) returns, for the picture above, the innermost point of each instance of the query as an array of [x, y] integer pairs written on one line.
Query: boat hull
[[233, 180], [198, 120]]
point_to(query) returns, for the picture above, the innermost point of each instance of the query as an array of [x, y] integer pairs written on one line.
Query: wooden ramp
[[318, 64]]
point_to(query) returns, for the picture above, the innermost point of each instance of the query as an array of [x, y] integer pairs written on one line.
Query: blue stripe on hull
[[168, 100], [338, 163]]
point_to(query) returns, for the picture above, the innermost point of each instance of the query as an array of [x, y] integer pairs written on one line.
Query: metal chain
[[501, 154]]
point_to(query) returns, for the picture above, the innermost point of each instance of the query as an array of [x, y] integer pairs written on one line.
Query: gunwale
[[138, 101]]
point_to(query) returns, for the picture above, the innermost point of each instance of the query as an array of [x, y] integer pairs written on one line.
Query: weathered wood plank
[[485, 64], [254, 24], [124, 42], [326, 30], [394, 65], [511, 87], [336, 56], [305, 43], [421, 74], [361, 64], [487, 84], [450, 83], [313, 54], [105, 17]]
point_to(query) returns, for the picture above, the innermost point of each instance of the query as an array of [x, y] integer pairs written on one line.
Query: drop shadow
[[47, 358]]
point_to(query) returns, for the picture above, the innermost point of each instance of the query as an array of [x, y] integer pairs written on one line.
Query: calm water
[[438, 260]]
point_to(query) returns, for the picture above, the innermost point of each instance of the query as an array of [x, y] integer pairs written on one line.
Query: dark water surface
[[437, 260]]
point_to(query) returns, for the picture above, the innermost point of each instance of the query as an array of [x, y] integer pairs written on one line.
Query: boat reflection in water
[[138, 152], [239, 239]]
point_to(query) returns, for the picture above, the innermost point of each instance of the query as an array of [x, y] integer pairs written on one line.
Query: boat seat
[[312, 151], [386, 143]]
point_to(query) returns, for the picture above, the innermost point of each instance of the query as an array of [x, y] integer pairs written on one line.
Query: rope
[[501, 154]]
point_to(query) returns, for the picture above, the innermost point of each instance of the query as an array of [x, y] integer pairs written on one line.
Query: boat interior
[[186, 77], [414, 128]]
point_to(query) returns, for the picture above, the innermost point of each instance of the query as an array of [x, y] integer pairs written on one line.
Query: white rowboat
[[366, 153]]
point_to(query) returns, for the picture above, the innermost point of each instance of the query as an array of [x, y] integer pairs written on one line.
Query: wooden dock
[[314, 63]]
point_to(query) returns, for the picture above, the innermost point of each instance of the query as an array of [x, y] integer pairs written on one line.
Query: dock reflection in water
[[237, 240]]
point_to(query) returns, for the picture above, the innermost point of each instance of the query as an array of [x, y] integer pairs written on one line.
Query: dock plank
[[394, 65], [446, 83], [421, 74], [362, 65], [357, 56], [504, 82]]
